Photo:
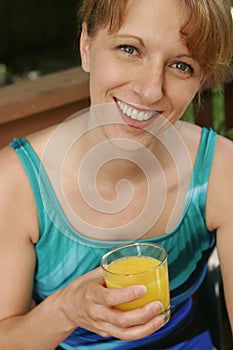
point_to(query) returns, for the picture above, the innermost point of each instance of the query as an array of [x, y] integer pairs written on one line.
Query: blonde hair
[[207, 31]]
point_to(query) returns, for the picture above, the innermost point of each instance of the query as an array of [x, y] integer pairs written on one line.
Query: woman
[[147, 60]]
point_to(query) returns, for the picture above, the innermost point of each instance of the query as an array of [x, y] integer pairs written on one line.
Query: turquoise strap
[[31, 164]]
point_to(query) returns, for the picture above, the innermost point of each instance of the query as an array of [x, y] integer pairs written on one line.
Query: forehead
[[153, 19], [172, 11], [168, 14]]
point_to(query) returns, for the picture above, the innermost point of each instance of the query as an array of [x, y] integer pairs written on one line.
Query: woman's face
[[144, 69]]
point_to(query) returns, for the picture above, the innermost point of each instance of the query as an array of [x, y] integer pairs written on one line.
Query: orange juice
[[134, 270]]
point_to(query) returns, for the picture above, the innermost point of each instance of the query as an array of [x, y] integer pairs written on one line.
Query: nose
[[149, 84]]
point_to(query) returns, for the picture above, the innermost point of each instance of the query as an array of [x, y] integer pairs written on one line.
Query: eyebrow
[[129, 36], [184, 55], [187, 56]]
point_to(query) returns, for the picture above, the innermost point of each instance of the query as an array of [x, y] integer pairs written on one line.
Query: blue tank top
[[63, 254]]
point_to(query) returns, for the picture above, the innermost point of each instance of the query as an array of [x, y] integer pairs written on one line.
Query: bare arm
[[84, 303], [220, 215], [225, 248]]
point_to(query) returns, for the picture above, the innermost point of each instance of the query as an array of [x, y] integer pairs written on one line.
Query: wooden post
[[228, 98], [203, 113]]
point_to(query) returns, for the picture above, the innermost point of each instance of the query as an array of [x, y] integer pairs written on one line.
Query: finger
[[111, 322], [113, 297], [138, 316], [131, 318], [135, 332]]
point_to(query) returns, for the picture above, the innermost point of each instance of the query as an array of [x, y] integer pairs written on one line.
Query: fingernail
[[140, 290], [157, 306], [161, 318]]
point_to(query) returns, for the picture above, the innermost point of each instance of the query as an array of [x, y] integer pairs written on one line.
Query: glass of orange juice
[[137, 264]]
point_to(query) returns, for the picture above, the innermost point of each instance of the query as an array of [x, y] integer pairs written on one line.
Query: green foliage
[[229, 134], [5, 74], [218, 117], [218, 111]]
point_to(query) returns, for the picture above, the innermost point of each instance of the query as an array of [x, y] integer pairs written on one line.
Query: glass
[[137, 264]]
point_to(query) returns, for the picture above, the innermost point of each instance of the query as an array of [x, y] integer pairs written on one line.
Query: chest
[[127, 210]]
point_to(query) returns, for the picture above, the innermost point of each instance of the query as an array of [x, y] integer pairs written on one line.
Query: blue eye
[[128, 49], [183, 67]]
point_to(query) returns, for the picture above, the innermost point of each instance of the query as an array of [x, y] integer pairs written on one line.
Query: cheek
[[105, 76], [182, 93], [180, 96]]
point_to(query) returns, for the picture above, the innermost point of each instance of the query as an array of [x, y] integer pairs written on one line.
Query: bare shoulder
[[17, 205], [19, 232], [220, 212], [191, 135], [220, 189], [39, 140], [219, 205], [223, 163], [64, 133]]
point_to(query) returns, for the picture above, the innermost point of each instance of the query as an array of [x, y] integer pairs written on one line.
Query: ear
[[85, 48]]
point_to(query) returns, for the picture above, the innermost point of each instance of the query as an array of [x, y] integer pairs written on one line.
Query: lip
[[139, 124]]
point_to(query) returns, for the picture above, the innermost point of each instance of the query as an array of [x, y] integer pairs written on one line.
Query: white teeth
[[129, 111], [124, 108], [141, 116], [134, 113]]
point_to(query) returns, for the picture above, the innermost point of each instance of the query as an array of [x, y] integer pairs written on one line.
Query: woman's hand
[[87, 303]]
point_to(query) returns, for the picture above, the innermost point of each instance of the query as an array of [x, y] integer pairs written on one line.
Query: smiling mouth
[[135, 113]]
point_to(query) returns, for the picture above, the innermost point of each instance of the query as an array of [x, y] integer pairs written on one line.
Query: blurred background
[[37, 37]]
